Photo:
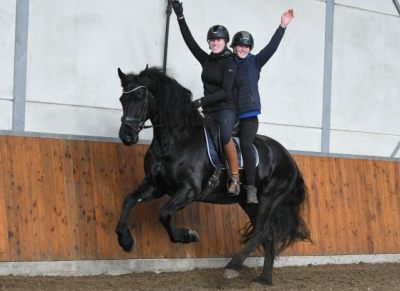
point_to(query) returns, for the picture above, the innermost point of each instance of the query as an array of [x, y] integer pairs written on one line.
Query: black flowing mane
[[173, 101]]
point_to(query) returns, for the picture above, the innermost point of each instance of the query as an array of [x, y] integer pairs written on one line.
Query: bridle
[[137, 124]]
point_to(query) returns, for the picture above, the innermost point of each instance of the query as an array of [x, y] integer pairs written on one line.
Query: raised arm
[[195, 49], [268, 51]]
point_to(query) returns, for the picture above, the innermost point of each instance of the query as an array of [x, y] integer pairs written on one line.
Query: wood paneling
[[60, 200]]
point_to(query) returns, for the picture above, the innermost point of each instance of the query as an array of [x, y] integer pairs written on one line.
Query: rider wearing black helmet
[[218, 76], [243, 38], [218, 31], [247, 96]]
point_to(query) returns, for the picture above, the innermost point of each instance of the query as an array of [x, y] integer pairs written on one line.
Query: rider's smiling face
[[242, 51], [217, 45]]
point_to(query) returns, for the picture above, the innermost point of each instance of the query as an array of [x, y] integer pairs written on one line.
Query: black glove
[[197, 103], [178, 9]]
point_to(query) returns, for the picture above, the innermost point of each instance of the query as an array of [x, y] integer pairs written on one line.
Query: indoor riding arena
[[330, 96]]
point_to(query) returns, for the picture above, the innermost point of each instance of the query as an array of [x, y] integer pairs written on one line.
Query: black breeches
[[226, 120], [247, 132]]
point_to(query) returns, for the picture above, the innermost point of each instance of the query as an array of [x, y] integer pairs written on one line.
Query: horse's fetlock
[[121, 229]]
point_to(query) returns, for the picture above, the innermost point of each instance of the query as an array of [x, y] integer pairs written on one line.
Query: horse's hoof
[[230, 274], [261, 281], [125, 240], [194, 236]]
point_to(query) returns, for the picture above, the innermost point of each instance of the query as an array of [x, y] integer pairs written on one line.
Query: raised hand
[[178, 9], [287, 17]]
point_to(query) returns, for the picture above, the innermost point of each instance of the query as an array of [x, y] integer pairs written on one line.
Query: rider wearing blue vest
[[247, 96]]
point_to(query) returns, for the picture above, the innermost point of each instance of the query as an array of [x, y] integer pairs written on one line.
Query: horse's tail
[[287, 223], [283, 223]]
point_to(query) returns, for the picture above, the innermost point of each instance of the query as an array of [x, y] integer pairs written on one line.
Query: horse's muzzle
[[129, 139]]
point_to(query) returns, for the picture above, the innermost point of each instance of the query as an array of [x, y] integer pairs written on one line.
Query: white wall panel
[[291, 82], [62, 119], [76, 120], [366, 86], [382, 6], [6, 114], [357, 143], [76, 46], [293, 138], [7, 41]]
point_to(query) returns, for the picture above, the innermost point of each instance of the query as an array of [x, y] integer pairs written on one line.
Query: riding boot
[[231, 156], [251, 192]]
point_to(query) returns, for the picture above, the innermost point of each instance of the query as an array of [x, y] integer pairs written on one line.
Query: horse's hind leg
[[144, 192], [269, 256], [178, 201], [237, 261], [272, 195], [238, 258]]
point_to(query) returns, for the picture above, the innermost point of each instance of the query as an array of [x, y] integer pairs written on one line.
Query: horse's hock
[[60, 200]]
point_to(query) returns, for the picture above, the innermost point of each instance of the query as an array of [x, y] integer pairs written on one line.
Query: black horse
[[176, 163]]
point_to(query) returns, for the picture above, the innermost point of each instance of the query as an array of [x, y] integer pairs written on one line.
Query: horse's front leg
[[180, 199], [144, 192]]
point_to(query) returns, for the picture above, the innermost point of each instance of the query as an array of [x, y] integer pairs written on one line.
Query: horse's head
[[136, 103]]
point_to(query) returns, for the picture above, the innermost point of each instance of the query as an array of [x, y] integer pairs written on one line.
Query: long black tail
[[287, 223]]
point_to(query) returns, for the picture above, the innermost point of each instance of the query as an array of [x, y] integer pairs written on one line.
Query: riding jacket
[[246, 94], [218, 74]]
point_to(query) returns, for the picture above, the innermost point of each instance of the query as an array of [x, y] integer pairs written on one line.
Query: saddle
[[214, 146]]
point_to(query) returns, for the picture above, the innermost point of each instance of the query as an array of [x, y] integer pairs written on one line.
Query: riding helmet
[[218, 31], [244, 38]]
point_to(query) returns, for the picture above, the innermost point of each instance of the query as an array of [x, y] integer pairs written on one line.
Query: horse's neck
[[163, 141], [168, 139]]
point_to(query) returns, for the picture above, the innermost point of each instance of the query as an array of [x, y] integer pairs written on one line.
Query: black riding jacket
[[246, 94], [218, 75]]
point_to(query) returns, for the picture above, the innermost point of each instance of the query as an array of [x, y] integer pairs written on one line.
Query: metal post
[[168, 12], [396, 3], [327, 83], [20, 65]]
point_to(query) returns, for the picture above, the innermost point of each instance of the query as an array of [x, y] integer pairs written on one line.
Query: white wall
[[75, 47], [365, 83], [381, 6], [7, 41]]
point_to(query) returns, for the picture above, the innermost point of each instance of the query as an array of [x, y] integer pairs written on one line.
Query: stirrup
[[234, 186]]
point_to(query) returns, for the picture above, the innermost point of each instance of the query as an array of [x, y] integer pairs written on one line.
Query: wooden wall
[[60, 200]]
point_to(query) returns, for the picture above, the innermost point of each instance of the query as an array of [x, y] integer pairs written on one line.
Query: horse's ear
[[121, 75], [145, 70]]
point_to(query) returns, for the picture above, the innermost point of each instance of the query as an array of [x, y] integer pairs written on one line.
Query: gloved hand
[[178, 9], [197, 103]]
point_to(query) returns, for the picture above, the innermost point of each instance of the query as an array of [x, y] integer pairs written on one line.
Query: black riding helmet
[[218, 31], [244, 38]]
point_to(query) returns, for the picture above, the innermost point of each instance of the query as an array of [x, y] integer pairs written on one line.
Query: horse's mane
[[174, 102]]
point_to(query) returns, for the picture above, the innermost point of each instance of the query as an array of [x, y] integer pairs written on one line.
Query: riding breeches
[[226, 120], [247, 132]]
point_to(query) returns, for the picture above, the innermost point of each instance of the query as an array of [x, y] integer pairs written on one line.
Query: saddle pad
[[222, 164]]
